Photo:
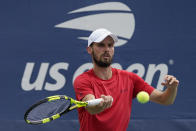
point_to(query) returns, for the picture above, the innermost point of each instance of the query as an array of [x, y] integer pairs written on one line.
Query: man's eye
[[111, 45], [101, 45]]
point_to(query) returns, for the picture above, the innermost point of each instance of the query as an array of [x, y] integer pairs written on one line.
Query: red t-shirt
[[123, 87]]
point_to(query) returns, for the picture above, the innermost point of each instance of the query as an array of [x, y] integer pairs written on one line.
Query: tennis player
[[117, 88]]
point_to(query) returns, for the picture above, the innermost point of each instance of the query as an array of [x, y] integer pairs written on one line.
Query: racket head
[[48, 109]]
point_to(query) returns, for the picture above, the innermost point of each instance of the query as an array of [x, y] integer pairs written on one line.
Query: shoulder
[[126, 74], [123, 72], [84, 77]]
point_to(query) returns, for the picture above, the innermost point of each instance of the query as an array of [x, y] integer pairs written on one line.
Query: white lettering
[[117, 66], [38, 83], [60, 79], [152, 69], [82, 69]]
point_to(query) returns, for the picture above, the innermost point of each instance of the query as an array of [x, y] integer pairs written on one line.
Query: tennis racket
[[54, 107]]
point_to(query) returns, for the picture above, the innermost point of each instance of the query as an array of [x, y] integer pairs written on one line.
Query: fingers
[[170, 81], [107, 103]]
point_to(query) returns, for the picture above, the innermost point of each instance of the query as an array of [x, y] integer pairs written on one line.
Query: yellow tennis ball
[[143, 97]]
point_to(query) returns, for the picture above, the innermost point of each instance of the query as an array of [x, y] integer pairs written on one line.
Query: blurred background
[[43, 49]]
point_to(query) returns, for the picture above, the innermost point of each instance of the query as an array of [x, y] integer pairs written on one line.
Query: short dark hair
[[92, 44]]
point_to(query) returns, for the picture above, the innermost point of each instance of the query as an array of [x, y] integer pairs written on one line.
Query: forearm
[[169, 96], [166, 97]]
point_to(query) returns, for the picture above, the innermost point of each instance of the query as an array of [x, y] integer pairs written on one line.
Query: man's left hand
[[170, 82]]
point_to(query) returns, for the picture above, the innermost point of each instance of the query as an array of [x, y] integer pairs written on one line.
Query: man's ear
[[89, 50]]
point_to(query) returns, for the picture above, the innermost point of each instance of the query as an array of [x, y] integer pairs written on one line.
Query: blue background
[[165, 30]]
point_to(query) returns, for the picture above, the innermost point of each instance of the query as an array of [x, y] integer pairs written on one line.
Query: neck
[[103, 73]]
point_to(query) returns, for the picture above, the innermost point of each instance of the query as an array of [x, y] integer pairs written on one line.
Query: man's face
[[103, 52]]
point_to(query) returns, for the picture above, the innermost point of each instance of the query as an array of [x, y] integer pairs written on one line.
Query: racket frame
[[78, 104]]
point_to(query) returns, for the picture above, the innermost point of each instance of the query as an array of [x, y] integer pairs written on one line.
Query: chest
[[117, 88]]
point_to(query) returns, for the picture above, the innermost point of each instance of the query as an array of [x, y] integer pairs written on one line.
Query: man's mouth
[[106, 56]]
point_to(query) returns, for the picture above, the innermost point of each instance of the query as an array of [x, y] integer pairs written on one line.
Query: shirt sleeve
[[82, 87], [140, 85]]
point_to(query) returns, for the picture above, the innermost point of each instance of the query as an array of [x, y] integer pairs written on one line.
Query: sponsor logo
[[114, 16]]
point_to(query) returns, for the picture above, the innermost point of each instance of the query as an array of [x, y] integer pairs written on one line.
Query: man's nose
[[107, 48]]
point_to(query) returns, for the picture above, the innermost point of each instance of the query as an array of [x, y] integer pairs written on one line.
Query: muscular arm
[[168, 96], [106, 103]]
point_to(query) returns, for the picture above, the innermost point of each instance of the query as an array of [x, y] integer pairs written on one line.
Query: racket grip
[[94, 102]]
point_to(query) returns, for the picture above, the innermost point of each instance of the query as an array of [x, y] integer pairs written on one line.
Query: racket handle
[[94, 102]]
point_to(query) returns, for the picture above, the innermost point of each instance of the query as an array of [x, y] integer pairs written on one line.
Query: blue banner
[[43, 49]]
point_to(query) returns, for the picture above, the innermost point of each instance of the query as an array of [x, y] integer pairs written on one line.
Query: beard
[[100, 62]]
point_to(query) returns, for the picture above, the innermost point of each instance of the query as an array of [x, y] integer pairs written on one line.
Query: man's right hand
[[106, 103]]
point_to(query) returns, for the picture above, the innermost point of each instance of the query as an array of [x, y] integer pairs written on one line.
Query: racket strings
[[48, 109]]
